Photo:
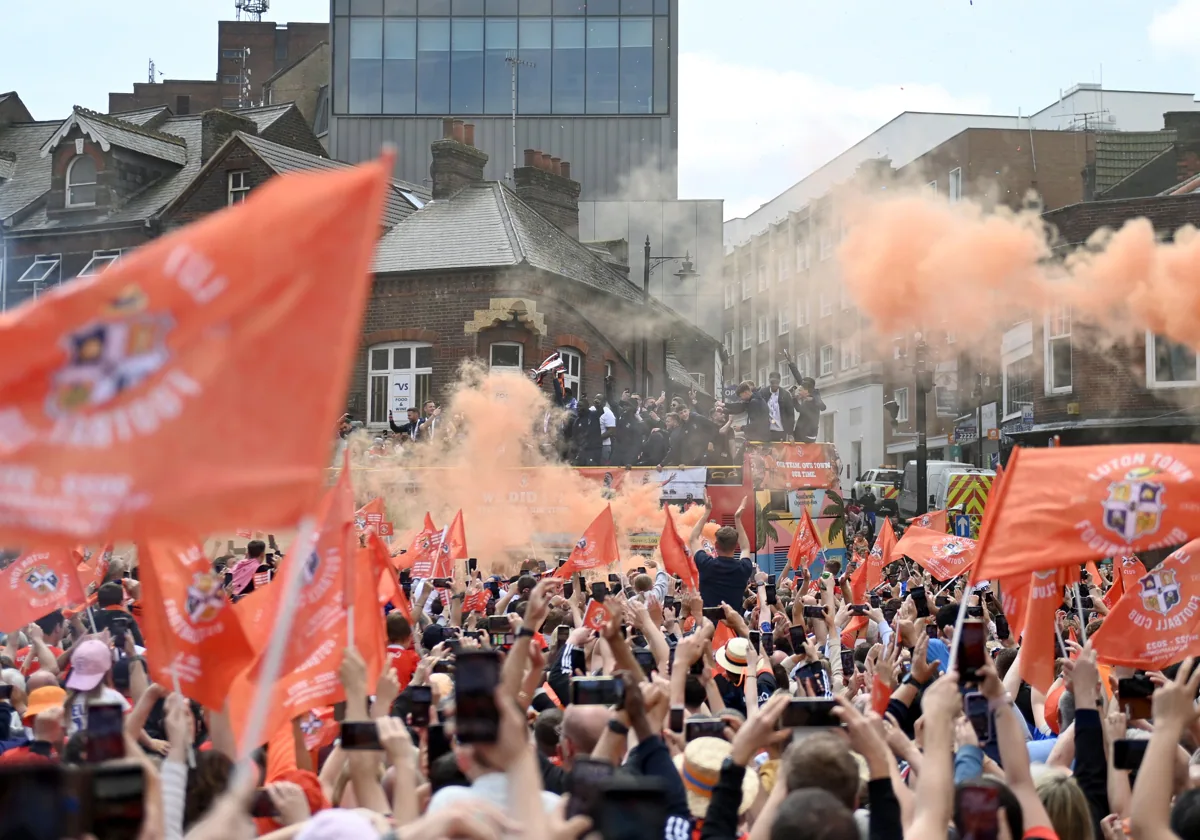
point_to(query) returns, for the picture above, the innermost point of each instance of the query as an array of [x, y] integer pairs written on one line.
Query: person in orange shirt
[[52, 627], [404, 658]]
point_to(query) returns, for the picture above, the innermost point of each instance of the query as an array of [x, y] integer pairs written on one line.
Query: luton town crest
[[310, 567], [1134, 506], [582, 544], [952, 548], [42, 580], [204, 598], [1160, 591], [110, 355]]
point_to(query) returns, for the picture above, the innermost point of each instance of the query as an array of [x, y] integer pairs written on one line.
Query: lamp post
[[924, 386], [687, 271]]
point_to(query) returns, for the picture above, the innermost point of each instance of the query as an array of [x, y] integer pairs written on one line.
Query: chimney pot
[[469, 134], [530, 157], [458, 130], [555, 163], [555, 199], [448, 128], [545, 167], [564, 169]]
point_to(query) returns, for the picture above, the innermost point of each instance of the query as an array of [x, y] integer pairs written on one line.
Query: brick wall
[[260, 37], [212, 192], [76, 250], [202, 95], [301, 83]]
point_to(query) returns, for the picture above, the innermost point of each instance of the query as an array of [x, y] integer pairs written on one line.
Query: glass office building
[[595, 83]]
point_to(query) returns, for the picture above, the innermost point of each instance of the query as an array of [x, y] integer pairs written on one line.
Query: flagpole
[[91, 619], [191, 755], [273, 655], [958, 626], [1082, 622]]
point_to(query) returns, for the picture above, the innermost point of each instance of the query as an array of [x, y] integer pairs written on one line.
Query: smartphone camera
[[476, 717], [105, 732], [704, 727], [597, 691], [810, 713], [420, 699]]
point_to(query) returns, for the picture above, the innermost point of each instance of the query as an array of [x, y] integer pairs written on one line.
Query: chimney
[[544, 183], [218, 126], [456, 161]]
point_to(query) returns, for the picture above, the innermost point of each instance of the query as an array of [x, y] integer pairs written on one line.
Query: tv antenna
[[514, 61], [254, 9]]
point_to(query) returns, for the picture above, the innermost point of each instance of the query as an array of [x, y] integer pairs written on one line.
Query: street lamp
[[686, 272]]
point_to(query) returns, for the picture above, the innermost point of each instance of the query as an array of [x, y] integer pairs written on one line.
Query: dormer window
[[81, 182]]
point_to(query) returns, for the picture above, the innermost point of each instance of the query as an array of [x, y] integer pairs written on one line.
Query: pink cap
[[89, 663]]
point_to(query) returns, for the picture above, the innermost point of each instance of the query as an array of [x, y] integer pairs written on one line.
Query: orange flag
[[597, 546], [1038, 648], [93, 565], [935, 520], [1115, 592], [424, 549], [1065, 505], [375, 559], [1014, 600], [369, 516], [1094, 572], [881, 554], [108, 428], [1157, 621], [858, 595], [943, 555], [37, 583], [596, 616], [192, 634], [805, 547], [677, 560], [453, 547], [1132, 570]]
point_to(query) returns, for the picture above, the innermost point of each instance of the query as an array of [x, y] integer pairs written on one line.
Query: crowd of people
[[552, 705]]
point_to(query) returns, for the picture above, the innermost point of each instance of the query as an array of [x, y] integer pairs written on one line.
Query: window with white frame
[[506, 355], [785, 323], [826, 360], [1058, 350], [764, 278], [747, 337], [764, 328], [1169, 365], [729, 343], [698, 379], [785, 267], [399, 377], [239, 187], [1018, 385], [828, 240], [900, 395], [804, 363], [785, 375], [730, 295], [802, 254], [81, 182], [850, 353], [746, 287], [609, 370], [932, 187], [955, 185], [44, 269], [762, 377], [802, 312], [100, 260], [826, 304], [844, 298], [572, 368]]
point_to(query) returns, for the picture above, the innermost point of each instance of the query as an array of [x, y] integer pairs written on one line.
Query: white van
[[934, 470]]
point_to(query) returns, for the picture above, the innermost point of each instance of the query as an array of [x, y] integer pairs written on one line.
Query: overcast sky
[[770, 89]]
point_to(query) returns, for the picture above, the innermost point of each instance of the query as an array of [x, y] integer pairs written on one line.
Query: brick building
[[249, 53], [76, 193], [498, 273]]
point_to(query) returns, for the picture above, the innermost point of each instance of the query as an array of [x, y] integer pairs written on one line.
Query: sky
[[769, 89]]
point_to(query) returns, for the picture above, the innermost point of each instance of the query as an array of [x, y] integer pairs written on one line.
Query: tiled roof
[[30, 178], [1120, 153], [264, 116], [107, 130], [486, 225], [680, 376], [1076, 222], [142, 116]]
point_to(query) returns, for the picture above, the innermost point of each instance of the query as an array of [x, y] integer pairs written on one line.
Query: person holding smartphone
[[723, 578]]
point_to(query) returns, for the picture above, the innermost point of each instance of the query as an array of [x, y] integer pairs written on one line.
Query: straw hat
[[700, 767], [732, 657]]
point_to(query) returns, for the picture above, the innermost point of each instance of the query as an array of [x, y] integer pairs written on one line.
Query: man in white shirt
[[608, 422], [780, 407]]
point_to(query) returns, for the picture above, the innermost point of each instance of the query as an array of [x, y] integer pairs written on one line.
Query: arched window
[[399, 377], [81, 182], [572, 361]]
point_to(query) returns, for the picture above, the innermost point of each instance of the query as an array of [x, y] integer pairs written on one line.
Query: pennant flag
[[1014, 600], [37, 583], [805, 547], [1065, 505], [677, 560], [1157, 621], [1132, 570], [454, 545], [370, 516], [858, 595], [1115, 592], [1094, 572], [93, 565], [943, 555], [375, 558], [881, 554], [477, 602], [192, 633], [596, 616], [108, 428], [597, 546], [424, 549], [935, 520], [1038, 648]]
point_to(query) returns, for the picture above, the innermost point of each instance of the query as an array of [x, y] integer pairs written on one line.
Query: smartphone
[[771, 594], [1003, 631], [1087, 603], [597, 691], [105, 732], [1128, 753], [770, 580], [117, 804], [798, 638], [714, 614], [675, 722], [475, 681], [975, 707], [641, 570], [920, 600], [499, 624], [599, 591], [755, 639], [811, 611], [441, 583], [631, 808], [1134, 695], [614, 579], [646, 659], [436, 742], [562, 633], [847, 662], [583, 783], [34, 802], [405, 577], [859, 609], [971, 652], [768, 644], [940, 601], [6, 691], [442, 666], [262, 806], [875, 601], [568, 590], [703, 727], [472, 565], [809, 713], [975, 611], [814, 676], [978, 812], [360, 735], [420, 698]]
